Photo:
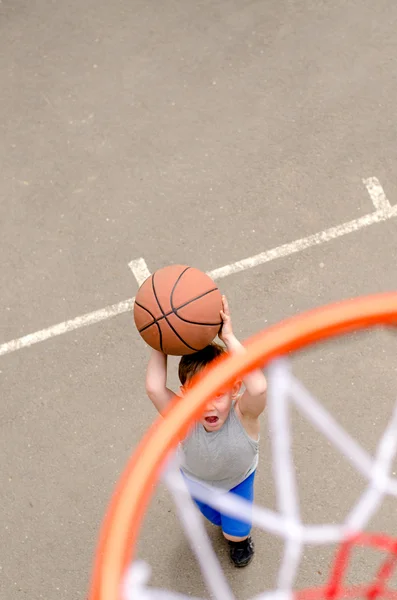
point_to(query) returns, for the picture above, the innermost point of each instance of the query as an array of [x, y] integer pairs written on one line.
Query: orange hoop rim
[[136, 486]]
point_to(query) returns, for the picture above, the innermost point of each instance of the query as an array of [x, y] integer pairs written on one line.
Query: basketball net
[[285, 391]]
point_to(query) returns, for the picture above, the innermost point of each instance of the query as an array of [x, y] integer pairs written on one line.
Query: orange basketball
[[177, 310]]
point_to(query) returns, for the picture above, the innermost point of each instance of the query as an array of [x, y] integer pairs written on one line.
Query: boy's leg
[[209, 513], [237, 531], [212, 515]]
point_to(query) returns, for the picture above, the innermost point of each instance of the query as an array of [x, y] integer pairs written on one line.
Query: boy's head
[[217, 409]]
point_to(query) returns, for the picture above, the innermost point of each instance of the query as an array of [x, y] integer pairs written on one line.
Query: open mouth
[[211, 420]]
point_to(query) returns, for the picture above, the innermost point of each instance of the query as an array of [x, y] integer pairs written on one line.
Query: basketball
[[177, 310]]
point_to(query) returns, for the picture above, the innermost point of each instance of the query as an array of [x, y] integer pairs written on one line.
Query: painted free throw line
[[383, 212]]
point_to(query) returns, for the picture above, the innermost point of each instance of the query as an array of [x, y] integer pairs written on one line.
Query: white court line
[[383, 213], [139, 270], [83, 321], [377, 194], [312, 240]]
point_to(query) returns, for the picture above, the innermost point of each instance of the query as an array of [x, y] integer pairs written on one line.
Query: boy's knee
[[234, 538], [235, 530]]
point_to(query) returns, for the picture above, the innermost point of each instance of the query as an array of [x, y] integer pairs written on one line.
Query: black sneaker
[[242, 552]]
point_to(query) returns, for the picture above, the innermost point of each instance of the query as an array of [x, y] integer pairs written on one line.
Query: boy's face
[[217, 409]]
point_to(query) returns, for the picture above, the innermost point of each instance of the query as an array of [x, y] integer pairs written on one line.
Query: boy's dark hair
[[191, 364]]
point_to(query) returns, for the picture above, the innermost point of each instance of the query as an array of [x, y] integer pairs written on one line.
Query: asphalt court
[[201, 134]]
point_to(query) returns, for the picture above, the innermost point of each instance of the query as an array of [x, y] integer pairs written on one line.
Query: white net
[[285, 390]]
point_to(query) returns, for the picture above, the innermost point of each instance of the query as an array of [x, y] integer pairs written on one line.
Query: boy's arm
[[253, 401], [156, 381]]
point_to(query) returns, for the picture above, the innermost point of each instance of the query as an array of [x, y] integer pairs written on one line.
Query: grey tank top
[[223, 458]]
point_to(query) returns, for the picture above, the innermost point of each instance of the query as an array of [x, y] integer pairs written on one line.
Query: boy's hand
[[227, 329]]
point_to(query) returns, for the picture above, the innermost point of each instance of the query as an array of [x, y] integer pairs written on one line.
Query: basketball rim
[[121, 526]]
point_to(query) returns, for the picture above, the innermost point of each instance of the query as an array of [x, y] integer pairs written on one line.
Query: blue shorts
[[230, 525]]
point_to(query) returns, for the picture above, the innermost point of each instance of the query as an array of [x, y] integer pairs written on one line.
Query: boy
[[222, 448]]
